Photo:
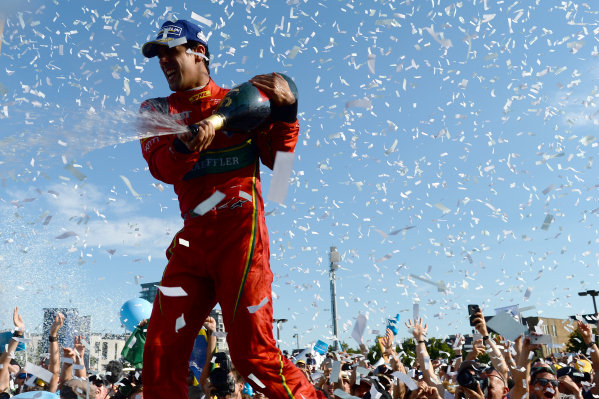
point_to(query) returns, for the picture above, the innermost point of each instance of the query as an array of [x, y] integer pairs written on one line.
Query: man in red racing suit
[[223, 255]]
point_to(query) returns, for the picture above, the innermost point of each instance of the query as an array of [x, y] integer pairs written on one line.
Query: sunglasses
[[23, 376], [545, 381]]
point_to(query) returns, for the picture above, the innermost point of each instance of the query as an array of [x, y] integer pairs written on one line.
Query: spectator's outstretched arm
[[10, 350], [210, 326], [428, 372], [54, 367], [521, 373], [79, 348], [589, 339], [66, 372], [457, 348], [497, 359], [477, 349]]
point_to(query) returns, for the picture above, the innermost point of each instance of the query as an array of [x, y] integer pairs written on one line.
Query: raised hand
[[79, 346], [418, 330], [210, 324], [586, 331], [18, 320], [387, 343], [57, 324]]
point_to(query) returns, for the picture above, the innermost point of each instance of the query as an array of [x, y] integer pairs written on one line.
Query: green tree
[[575, 343]]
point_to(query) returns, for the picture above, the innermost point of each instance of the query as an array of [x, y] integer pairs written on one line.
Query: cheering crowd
[[514, 370]]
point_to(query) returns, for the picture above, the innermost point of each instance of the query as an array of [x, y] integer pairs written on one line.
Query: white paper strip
[[334, 376], [256, 380], [172, 291], [209, 203], [180, 323], [201, 19], [38, 371], [184, 242], [176, 42], [281, 173], [245, 196], [410, 383], [129, 186], [255, 308]]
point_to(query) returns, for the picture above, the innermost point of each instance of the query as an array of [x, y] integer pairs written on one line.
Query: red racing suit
[[221, 256]]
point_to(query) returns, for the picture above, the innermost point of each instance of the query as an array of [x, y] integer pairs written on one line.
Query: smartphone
[[540, 339], [472, 310]]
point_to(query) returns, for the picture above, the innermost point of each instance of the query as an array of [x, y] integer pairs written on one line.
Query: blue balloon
[[134, 311], [36, 395], [5, 338]]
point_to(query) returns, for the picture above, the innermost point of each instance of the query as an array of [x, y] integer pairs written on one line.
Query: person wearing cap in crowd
[[543, 382], [222, 255], [77, 389]]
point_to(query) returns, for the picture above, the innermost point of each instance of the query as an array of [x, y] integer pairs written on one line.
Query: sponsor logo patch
[[200, 95], [171, 30]]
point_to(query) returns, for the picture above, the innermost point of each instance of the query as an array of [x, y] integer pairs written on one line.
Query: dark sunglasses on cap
[[545, 381], [23, 376]]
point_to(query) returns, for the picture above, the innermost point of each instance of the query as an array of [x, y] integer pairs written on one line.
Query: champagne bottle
[[244, 107]]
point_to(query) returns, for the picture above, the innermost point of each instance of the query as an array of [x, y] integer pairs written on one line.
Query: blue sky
[[435, 140]]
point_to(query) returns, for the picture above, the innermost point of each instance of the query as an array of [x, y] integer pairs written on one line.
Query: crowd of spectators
[[515, 370]]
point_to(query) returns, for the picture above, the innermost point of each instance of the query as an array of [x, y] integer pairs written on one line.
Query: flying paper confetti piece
[[180, 323], [131, 190], [281, 173], [254, 308], [256, 381], [528, 293], [66, 234], [209, 203], [442, 208], [547, 222], [184, 242], [172, 291], [75, 172], [360, 103], [201, 19], [410, 383], [38, 371]]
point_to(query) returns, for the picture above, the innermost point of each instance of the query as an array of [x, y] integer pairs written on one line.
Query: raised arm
[[210, 326], [428, 372], [9, 352], [497, 359], [589, 339], [54, 367], [521, 373]]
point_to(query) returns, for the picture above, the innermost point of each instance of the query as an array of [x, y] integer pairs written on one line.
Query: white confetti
[[255, 308], [209, 203], [172, 291]]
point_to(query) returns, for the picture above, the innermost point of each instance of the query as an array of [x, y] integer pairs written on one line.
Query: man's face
[[497, 387], [101, 392], [182, 71], [544, 386]]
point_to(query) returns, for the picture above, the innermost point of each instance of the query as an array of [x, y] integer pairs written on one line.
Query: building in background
[[74, 325], [148, 291], [556, 328], [221, 341]]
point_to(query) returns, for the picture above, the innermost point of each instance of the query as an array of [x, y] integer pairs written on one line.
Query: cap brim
[[150, 49]]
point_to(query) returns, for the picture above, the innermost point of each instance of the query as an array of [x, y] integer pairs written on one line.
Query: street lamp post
[[279, 321], [593, 294], [334, 258]]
